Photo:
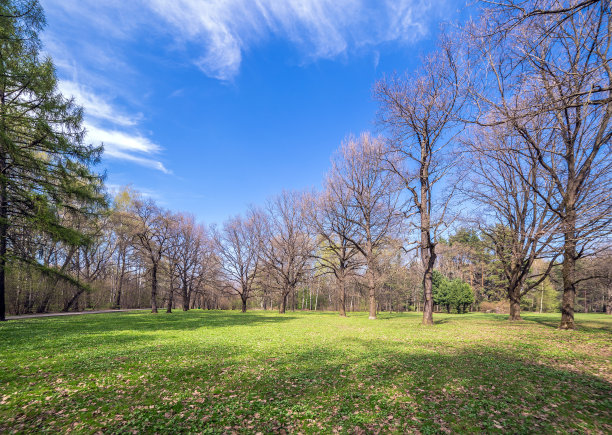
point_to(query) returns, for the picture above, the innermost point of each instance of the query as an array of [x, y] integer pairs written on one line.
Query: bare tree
[[370, 198], [333, 221], [121, 221], [551, 61], [513, 218], [420, 113], [285, 245], [153, 231], [191, 248], [238, 245], [91, 260]]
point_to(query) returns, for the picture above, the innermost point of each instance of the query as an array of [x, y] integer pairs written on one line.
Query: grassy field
[[311, 372]]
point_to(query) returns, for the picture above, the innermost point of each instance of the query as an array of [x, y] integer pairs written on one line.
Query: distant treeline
[[488, 188]]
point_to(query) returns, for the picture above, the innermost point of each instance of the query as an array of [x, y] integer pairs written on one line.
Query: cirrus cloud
[[225, 29]]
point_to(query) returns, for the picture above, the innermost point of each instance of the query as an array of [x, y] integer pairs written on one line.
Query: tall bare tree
[[193, 248], [551, 60], [333, 221], [121, 220], [513, 218], [238, 245], [92, 260], [370, 197], [153, 231], [286, 246], [421, 114]]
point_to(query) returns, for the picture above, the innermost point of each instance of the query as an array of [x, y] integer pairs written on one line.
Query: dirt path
[[72, 313]]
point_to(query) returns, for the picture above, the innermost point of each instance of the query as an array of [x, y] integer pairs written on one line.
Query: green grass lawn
[[222, 371]]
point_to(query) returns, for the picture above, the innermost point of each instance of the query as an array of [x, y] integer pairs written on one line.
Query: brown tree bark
[[428, 294], [186, 297], [569, 288], [283, 305], [342, 304], [120, 282], [3, 236], [371, 293], [515, 307], [154, 288], [170, 299]]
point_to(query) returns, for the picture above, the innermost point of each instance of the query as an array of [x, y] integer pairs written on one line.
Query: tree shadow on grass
[[586, 325], [192, 319], [123, 328], [366, 386]]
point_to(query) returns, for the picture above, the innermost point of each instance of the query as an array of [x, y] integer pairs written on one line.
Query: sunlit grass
[[226, 371]]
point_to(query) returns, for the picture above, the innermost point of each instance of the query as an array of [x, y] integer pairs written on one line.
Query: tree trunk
[[569, 293], [514, 296], [515, 309], [73, 300], [372, 293], [283, 305], [186, 297], [342, 305], [170, 299], [154, 289], [3, 236], [244, 303], [569, 271], [120, 282], [428, 262], [428, 258]]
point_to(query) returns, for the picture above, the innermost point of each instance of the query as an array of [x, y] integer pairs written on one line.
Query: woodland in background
[[488, 189], [191, 274]]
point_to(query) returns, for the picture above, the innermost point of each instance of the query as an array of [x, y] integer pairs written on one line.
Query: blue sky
[[208, 106]]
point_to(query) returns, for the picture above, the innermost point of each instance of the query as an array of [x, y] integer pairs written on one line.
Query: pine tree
[[45, 165]]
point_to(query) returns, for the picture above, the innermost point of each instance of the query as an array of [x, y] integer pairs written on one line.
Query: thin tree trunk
[[3, 236], [372, 293], [428, 253], [170, 298], [154, 289], [342, 288], [120, 282]]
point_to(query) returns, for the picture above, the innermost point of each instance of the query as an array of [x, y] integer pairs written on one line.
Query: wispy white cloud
[[96, 106], [223, 30], [319, 28], [126, 146], [106, 123]]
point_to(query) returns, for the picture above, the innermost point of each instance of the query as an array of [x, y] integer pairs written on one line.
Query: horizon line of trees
[[490, 179]]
